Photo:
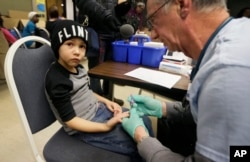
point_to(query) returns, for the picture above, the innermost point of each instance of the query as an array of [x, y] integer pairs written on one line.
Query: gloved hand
[[112, 23], [146, 105], [131, 123]]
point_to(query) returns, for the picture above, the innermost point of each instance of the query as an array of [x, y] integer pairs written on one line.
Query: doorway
[[61, 5]]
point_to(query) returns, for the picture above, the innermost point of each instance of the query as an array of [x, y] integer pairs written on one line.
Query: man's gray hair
[[201, 5], [209, 5]]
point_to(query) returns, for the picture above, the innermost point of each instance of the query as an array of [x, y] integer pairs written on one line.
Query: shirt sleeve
[[179, 112], [10, 38], [93, 9], [58, 87], [31, 28]]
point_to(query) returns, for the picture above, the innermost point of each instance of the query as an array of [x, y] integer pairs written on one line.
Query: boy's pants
[[116, 140]]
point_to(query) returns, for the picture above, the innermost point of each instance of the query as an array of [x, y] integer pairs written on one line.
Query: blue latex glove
[[146, 105], [131, 123]]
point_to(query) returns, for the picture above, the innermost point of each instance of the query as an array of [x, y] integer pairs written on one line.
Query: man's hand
[[130, 124], [146, 105]]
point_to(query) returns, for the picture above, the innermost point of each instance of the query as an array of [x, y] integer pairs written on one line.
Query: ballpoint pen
[[131, 102]]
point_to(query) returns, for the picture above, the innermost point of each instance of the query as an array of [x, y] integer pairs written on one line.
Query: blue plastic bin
[[135, 51], [120, 51], [134, 54], [152, 56]]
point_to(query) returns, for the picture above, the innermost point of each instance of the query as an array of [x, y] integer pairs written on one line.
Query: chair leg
[[111, 89]]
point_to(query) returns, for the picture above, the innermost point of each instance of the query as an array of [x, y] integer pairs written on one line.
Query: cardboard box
[[18, 14], [9, 23]]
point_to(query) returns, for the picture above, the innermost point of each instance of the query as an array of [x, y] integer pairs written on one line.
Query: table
[[114, 72]]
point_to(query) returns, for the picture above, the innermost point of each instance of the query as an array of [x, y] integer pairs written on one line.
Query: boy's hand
[[113, 107], [117, 119]]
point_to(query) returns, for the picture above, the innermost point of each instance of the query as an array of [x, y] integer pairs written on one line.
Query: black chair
[[44, 33], [25, 71], [41, 32]]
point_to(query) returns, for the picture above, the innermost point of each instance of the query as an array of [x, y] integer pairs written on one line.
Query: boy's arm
[[83, 125], [88, 126]]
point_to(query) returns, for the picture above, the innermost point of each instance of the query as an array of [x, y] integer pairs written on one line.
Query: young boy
[[83, 114]]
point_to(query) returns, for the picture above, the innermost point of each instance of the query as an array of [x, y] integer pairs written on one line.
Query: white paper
[[154, 76]]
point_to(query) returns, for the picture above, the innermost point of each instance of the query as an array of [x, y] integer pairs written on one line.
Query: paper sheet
[[154, 76]]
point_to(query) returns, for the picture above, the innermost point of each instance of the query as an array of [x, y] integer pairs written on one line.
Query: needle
[[131, 101]]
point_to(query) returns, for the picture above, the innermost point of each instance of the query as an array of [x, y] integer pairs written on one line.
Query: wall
[[40, 7], [69, 9], [25, 5], [50, 3]]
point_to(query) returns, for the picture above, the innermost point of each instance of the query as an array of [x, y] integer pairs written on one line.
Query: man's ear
[[184, 6]]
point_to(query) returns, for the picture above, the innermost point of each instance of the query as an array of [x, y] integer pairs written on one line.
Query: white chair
[[25, 70], [19, 36], [17, 32]]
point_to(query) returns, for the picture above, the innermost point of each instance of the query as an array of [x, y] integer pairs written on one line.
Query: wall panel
[[24, 5]]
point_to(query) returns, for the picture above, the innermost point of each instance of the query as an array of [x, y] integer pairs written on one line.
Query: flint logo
[[239, 153], [74, 31]]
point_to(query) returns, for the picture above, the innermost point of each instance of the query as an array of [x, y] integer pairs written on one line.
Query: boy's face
[[71, 52]]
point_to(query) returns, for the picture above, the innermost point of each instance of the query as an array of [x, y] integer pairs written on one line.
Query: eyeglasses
[[150, 18]]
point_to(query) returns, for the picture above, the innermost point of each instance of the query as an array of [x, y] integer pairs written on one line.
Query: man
[[53, 17], [105, 17], [219, 94], [31, 29]]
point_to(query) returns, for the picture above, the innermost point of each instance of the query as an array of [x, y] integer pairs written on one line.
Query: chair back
[[19, 36], [44, 33], [41, 32], [25, 70], [18, 33]]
